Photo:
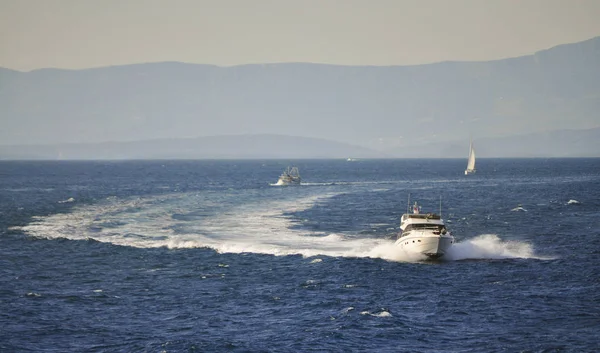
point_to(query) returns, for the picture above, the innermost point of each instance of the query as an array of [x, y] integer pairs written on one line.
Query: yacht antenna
[[440, 206]]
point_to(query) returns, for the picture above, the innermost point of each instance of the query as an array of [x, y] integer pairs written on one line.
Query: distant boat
[[471, 162], [290, 176]]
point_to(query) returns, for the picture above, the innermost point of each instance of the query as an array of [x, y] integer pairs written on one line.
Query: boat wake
[[177, 221], [263, 227], [281, 183], [490, 246]]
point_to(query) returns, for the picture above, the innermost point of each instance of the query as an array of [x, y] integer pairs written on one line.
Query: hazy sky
[[91, 33]]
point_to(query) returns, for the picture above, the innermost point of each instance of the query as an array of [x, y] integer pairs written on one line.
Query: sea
[[209, 256]]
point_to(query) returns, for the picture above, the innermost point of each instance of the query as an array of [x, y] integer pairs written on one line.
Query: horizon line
[[297, 62]]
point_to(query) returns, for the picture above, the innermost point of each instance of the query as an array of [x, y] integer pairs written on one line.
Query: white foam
[[573, 202], [490, 246], [347, 310], [382, 313], [281, 183], [258, 227]]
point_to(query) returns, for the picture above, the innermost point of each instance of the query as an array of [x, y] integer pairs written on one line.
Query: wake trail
[[263, 227]]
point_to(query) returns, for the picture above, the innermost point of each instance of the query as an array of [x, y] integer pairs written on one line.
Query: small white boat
[[424, 234], [290, 176], [471, 161]]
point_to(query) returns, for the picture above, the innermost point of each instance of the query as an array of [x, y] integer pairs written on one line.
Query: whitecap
[[383, 313], [347, 310]]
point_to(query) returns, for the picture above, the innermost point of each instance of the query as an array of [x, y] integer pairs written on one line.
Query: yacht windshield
[[425, 226]]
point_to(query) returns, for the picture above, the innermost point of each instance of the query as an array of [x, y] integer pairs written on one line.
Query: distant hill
[[558, 143], [562, 143], [212, 147], [381, 108]]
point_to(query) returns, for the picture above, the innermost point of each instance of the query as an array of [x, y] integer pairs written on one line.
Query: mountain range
[[581, 143], [545, 104]]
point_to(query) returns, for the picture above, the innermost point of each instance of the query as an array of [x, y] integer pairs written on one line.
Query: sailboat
[[471, 163]]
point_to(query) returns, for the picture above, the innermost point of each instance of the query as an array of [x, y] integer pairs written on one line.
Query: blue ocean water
[[201, 256]]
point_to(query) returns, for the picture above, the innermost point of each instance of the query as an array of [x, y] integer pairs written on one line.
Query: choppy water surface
[[208, 256]]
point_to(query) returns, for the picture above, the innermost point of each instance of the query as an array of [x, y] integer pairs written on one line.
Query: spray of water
[[490, 246]]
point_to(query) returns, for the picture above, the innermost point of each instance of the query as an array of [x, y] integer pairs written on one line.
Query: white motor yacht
[[424, 233]]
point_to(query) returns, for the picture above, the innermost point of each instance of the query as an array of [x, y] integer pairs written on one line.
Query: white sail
[[471, 161]]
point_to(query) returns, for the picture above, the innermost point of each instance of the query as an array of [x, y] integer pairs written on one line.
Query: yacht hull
[[430, 245]]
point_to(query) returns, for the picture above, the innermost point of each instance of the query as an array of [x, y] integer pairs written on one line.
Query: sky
[[76, 34]]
